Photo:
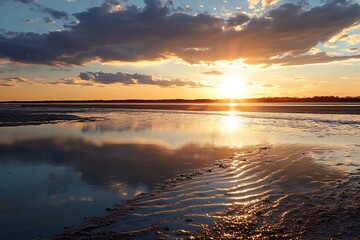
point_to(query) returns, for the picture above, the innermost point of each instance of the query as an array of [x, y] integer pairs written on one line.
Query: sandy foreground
[[263, 192]]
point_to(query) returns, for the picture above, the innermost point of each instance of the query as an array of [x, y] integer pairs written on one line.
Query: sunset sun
[[232, 87]]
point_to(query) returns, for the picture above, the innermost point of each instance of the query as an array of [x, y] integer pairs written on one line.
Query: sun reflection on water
[[232, 104], [231, 121]]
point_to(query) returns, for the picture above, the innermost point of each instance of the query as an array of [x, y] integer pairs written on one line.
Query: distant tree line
[[306, 99], [252, 100]]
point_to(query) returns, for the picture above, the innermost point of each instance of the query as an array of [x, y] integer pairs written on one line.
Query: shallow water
[[192, 200], [55, 175]]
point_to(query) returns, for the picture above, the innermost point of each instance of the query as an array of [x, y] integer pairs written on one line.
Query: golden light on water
[[231, 122], [232, 105]]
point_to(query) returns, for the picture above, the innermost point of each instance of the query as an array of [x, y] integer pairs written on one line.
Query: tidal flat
[[122, 173]]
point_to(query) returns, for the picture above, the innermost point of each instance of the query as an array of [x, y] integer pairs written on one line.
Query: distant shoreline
[[316, 99]]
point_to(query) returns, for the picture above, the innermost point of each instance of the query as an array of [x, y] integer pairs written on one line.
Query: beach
[[264, 192], [171, 120], [115, 173]]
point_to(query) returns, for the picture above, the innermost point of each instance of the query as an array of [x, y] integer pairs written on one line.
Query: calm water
[[54, 175]]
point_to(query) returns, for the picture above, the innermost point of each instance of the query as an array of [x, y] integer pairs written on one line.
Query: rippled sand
[[262, 192]]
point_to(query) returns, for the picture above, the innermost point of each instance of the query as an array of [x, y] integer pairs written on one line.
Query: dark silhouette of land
[[245, 100]]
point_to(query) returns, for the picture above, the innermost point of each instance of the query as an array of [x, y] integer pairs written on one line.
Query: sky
[[191, 49]]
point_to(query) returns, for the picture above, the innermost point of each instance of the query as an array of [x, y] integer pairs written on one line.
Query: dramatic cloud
[[14, 81], [285, 36], [135, 78], [105, 78], [238, 20]]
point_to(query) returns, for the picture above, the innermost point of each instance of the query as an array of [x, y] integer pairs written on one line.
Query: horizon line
[[227, 100]]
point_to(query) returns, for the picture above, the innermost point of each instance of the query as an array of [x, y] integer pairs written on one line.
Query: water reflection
[[231, 122], [54, 175], [174, 129], [253, 175], [49, 183], [133, 164]]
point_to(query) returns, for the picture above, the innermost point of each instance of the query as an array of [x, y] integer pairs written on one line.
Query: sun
[[232, 87]]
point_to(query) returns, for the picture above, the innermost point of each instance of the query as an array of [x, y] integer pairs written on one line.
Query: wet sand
[[10, 118], [262, 192]]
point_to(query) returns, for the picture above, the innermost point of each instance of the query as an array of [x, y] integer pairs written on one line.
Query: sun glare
[[231, 121], [232, 87]]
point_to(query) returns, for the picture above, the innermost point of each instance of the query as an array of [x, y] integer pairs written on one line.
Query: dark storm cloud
[[135, 78], [155, 32], [237, 20]]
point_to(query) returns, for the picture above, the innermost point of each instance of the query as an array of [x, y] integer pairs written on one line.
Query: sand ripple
[[250, 195]]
